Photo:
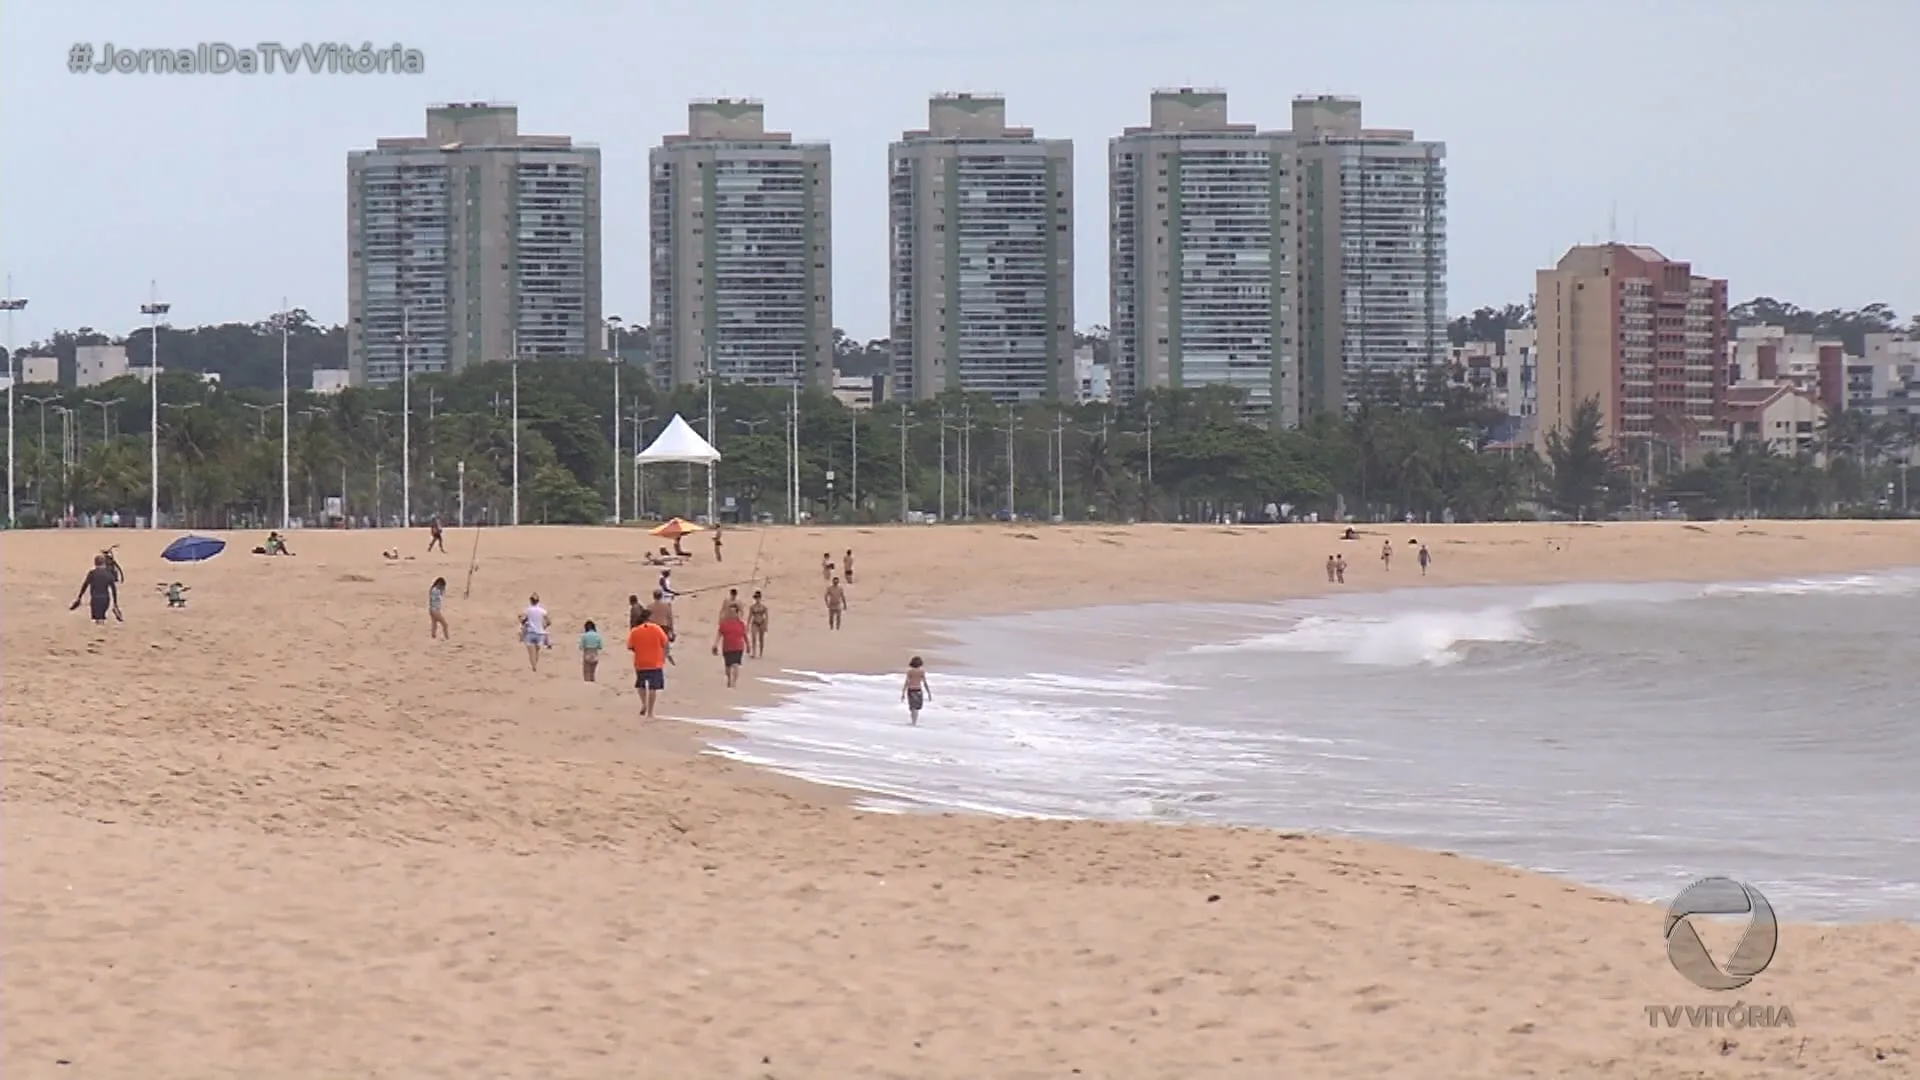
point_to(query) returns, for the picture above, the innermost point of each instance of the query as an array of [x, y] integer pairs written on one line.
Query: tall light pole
[[260, 413], [516, 427], [66, 457], [406, 414], [712, 509], [10, 304], [613, 329], [153, 309], [183, 408], [42, 402], [793, 446], [903, 462], [106, 413], [286, 417], [853, 426]]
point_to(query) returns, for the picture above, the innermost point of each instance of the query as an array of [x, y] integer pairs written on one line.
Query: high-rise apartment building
[[1373, 255], [1637, 333], [742, 251], [1202, 276], [476, 240], [981, 228]]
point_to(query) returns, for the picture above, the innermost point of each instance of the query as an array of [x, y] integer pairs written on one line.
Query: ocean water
[[1633, 737]]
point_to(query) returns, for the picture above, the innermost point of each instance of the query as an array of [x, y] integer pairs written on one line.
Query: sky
[[1773, 144]]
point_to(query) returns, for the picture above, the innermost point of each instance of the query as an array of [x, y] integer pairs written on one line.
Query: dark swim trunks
[[732, 657], [99, 605], [915, 699]]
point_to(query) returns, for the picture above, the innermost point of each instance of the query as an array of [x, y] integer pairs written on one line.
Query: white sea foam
[[1379, 714]]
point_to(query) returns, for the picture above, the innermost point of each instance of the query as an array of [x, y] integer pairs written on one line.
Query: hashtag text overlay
[[266, 58]]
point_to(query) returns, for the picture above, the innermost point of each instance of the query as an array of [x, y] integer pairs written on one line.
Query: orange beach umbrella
[[674, 528]]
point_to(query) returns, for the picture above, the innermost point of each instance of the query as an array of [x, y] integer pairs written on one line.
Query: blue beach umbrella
[[193, 549]]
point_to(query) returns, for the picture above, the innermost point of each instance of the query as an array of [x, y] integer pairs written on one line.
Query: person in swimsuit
[[730, 641], [1425, 557], [757, 619], [1386, 555], [916, 691], [716, 544], [826, 567], [437, 622], [436, 537], [635, 608], [533, 631], [846, 566], [101, 587], [660, 613], [1340, 569], [836, 604]]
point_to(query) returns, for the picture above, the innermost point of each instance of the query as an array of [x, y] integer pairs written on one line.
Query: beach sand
[[283, 834]]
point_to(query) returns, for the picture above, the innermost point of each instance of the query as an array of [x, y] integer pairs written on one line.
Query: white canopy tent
[[679, 444]]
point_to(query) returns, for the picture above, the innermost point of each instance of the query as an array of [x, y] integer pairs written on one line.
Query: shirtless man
[[731, 606], [660, 613], [757, 619], [916, 691], [102, 586], [1386, 555], [836, 604]]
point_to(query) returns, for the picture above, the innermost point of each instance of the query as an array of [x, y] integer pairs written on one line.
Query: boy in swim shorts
[[916, 691]]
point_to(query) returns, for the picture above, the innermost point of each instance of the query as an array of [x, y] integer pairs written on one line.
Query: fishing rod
[[728, 585], [473, 563]]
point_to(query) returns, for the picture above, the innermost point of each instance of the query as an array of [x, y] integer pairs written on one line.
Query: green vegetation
[[1169, 456]]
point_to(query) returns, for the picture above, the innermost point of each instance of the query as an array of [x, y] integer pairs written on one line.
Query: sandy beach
[[282, 833]]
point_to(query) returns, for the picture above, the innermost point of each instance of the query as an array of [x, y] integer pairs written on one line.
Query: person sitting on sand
[[176, 594], [277, 544], [730, 643], [757, 619], [916, 691]]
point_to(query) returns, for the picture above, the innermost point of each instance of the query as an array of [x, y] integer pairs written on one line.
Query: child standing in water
[[916, 691], [590, 646]]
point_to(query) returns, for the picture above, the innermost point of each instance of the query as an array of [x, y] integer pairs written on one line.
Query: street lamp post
[[153, 309], [286, 416], [406, 417], [793, 446], [260, 413], [41, 401], [10, 304], [106, 413], [613, 329], [712, 508], [182, 408], [515, 365], [66, 458]]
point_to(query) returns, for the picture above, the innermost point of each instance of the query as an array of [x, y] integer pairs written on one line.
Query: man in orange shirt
[[648, 643]]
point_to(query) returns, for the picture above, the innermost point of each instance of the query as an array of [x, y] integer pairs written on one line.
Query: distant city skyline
[[1560, 129]]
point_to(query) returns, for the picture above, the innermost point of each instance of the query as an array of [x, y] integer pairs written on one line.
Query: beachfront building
[[1780, 418], [741, 251], [474, 241], [1502, 374], [1638, 333], [1202, 238], [1373, 256], [980, 220]]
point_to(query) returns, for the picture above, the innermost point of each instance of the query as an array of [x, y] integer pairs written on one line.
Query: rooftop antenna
[[1613, 222]]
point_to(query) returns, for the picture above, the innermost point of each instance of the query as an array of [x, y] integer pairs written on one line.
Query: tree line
[[1418, 449]]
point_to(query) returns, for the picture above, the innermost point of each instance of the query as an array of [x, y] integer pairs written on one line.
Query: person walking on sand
[[436, 620], [533, 631], [757, 619], [1330, 569], [101, 588], [590, 646], [916, 691], [436, 536], [846, 566], [730, 642], [648, 644], [1386, 555], [1424, 558], [836, 604], [731, 605], [716, 543], [665, 587], [1340, 569], [660, 613], [826, 567], [635, 608]]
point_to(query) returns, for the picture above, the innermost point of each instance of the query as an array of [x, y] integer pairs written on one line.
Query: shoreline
[[288, 836]]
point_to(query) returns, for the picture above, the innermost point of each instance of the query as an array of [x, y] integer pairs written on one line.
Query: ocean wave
[[1888, 583]]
